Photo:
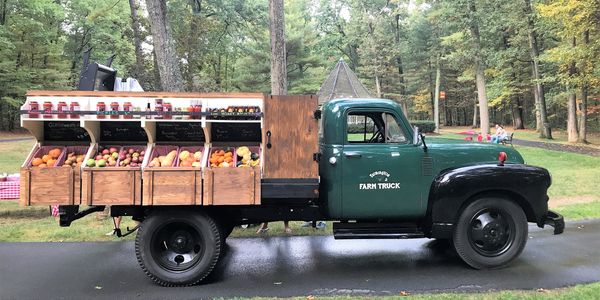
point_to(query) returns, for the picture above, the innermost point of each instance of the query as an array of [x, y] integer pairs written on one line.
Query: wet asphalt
[[299, 266]]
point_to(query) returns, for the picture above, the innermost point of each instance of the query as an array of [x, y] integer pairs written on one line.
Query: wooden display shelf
[[172, 186], [112, 186], [231, 186]]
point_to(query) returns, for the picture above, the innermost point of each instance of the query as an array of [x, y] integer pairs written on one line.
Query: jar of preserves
[[62, 109], [75, 108], [168, 109], [158, 108], [48, 110], [197, 110], [101, 109], [127, 108], [114, 110], [33, 106]]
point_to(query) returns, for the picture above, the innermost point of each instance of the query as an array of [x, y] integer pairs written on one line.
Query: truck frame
[[379, 179]]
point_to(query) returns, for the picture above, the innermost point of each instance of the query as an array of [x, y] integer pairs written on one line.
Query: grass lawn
[[12, 155]]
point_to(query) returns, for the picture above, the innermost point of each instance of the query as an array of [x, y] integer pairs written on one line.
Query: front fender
[[454, 188]]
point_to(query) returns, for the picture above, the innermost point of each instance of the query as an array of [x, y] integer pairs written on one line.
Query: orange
[[37, 161], [55, 153], [228, 154]]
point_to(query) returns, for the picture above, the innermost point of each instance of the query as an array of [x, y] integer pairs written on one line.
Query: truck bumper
[[555, 220]]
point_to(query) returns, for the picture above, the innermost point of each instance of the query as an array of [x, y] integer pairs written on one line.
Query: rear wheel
[[178, 249], [490, 233]]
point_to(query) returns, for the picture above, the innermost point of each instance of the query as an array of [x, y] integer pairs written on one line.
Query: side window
[[394, 133], [360, 128]]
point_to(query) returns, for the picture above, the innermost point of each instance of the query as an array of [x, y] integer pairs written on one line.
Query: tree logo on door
[[381, 176]]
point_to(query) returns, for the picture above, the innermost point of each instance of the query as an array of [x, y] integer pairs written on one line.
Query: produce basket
[[78, 151], [172, 185], [116, 185], [212, 163], [192, 150], [43, 185]]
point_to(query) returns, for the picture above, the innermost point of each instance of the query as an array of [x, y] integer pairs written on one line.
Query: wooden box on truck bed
[[175, 184], [54, 185]]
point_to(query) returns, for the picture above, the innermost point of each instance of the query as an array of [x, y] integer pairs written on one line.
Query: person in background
[[499, 135], [264, 227]]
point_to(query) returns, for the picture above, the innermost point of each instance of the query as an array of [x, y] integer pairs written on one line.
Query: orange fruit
[[228, 154], [51, 162], [37, 161], [46, 157], [55, 153]]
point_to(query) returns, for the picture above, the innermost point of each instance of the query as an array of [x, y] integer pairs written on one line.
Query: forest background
[[527, 63]]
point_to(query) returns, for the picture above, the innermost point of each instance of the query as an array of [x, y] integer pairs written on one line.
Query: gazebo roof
[[342, 83]]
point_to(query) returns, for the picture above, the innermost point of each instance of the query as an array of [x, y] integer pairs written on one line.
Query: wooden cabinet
[[172, 186]]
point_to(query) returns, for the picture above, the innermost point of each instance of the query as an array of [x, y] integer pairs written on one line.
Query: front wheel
[[178, 249], [490, 233]]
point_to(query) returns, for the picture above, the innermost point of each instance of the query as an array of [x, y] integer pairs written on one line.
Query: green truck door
[[381, 169]]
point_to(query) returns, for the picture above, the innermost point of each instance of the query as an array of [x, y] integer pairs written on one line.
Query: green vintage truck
[[357, 162]]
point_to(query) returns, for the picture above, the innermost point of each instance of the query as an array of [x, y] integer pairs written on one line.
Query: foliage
[[424, 126]]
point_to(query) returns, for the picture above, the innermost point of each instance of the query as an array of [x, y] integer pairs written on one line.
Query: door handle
[[352, 154]]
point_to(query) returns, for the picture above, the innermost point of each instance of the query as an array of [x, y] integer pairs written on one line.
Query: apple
[[90, 162], [112, 163], [134, 159], [105, 151], [113, 149], [101, 163], [115, 155], [142, 153], [131, 150], [106, 156], [122, 156], [99, 157]]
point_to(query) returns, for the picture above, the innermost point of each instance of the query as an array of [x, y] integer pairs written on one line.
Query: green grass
[[12, 155], [579, 292]]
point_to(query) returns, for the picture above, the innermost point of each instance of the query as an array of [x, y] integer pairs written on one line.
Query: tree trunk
[[582, 111], [164, 47], [518, 113], [475, 114], [401, 83], [572, 117], [377, 86], [157, 82], [479, 72], [278, 54], [540, 98], [138, 69], [436, 102], [4, 8]]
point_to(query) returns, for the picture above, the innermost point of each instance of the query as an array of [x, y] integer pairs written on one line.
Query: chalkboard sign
[[179, 132], [122, 131], [236, 132], [65, 132]]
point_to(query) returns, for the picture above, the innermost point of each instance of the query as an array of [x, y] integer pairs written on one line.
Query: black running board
[[347, 231]]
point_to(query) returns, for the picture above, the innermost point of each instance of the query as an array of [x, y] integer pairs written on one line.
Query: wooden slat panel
[[294, 137], [76, 186], [112, 186], [257, 186], [230, 186], [24, 187], [170, 186], [207, 187], [142, 94], [50, 186]]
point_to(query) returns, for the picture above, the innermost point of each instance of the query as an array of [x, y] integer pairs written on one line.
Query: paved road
[[299, 266], [16, 139]]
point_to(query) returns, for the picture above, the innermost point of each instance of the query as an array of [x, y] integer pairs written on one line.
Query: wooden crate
[[47, 186], [231, 186], [112, 186], [172, 186], [51, 185]]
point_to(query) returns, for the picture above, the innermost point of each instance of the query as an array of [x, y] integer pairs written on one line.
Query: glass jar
[[48, 110], [62, 109], [127, 108], [101, 109], [33, 105], [114, 109], [75, 108]]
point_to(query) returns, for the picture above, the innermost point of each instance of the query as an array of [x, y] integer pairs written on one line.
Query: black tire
[[490, 233], [178, 248]]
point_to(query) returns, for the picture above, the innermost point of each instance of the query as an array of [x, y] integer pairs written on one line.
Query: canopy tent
[[342, 83]]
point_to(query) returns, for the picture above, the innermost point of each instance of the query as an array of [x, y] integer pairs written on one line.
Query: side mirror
[[416, 136]]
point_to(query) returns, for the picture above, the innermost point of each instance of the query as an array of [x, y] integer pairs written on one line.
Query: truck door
[[380, 168]]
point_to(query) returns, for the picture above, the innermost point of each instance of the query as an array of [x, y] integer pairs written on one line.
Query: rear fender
[[453, 189]]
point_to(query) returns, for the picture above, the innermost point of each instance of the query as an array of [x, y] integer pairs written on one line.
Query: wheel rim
[[177, 246], [491, 232]]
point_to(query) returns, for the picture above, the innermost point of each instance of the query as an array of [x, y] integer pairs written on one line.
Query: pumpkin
[[55, 153], [46, 158], [36, 162], [51, 162]]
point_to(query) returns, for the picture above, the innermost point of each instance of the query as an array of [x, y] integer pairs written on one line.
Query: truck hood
[[449, 153]]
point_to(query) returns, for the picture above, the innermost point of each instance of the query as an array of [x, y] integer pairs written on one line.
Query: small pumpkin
[[46, 158]]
